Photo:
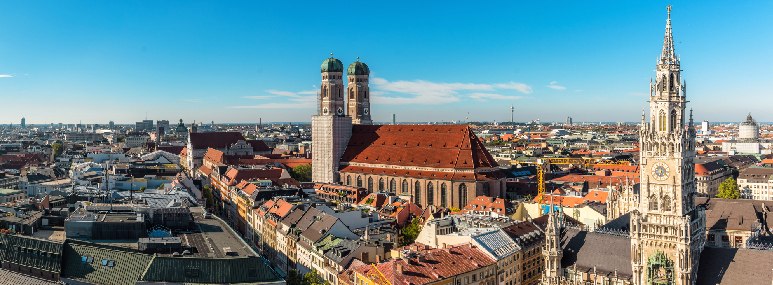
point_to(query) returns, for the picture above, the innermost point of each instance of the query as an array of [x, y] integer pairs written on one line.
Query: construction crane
[[540, 180]]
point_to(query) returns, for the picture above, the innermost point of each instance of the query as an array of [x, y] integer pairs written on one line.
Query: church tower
[[330, 128], [667, 229], [358, 93], [552, 250], [331, 91]]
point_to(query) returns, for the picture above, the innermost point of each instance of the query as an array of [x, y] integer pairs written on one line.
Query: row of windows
[[416, 189], [666, 203]]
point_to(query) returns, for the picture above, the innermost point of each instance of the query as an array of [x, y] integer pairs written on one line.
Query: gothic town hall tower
[[667, 228]]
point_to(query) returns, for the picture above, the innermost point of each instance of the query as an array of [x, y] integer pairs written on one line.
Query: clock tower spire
[[667, 228]]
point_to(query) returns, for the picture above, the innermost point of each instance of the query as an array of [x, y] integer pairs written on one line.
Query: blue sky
[[235, 61]]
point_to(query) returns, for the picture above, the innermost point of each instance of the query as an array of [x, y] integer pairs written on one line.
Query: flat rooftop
[[213, 237], [8, 192]]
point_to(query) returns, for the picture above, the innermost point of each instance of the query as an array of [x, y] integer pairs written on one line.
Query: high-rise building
[[111, 125], [162, 127], [569, 121], [705, 128], [23, 123], [144, 125]]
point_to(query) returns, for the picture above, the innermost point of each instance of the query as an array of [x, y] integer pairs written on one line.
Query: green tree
[[294, 278], [728, 189], [209, 198], [301, 173], [410, 232], [312, 278], [57, 148]]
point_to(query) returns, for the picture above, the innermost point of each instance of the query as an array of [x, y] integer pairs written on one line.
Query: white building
[[748, 140], [756, 183]]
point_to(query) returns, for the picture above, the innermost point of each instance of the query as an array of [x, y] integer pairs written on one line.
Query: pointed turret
[[668, 56], [552, 251]]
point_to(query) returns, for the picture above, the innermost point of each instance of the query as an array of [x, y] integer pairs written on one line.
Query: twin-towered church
[[432, 165]]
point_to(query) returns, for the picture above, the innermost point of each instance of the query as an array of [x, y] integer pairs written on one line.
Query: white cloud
[[259, 97], [281, 93], [520, 87], [493, 96], [297, 105], [6, 75], [555, 86], [401, 92], [427, 92]]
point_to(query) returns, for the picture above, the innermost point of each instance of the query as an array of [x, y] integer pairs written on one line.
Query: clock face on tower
[[340, 111], [660, 171], [366, 111]]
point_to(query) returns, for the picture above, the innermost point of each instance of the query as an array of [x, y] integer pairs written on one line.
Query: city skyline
[[236, 63]]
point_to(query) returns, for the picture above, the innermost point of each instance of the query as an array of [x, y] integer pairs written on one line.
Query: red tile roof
[[259, 145], [214, 156], [597, 196], [441, 175], [235, 175], [215, 139], [429, 265], [487, 204], [440, 146]]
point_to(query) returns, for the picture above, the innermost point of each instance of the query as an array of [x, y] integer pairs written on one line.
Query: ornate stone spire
[[668, 56]]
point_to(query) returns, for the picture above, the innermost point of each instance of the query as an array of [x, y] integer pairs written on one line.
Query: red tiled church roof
[[215, 139], [439, 146], [441, 175]]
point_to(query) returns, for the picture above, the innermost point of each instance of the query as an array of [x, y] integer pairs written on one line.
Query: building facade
[[442, 166], [665, 230]]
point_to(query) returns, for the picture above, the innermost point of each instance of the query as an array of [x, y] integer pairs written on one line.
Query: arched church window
[[462, 195], [324, 91], [381, 185], [417, 192], [653, 203], [430, 194], [404, 189], [674, 124], [370, 184], [392, 186], [359, 181], [443, 195], [351, 94], [662, 121], [671, 83], [663, 83], [666, 203], [349, 180]]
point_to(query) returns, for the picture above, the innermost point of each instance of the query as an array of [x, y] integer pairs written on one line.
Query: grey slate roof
[[208, 270], [31, 252], [127, 266], [13, 278], [497, 242], [735, 266], [604, 251]]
